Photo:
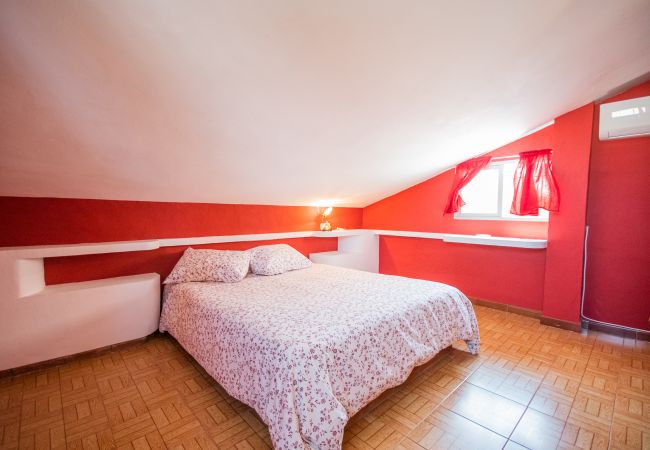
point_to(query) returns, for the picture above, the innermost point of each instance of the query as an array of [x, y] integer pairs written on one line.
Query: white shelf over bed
[[258, 237], [51, 251]]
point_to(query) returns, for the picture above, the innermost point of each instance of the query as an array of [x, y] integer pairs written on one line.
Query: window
[[489, 195]]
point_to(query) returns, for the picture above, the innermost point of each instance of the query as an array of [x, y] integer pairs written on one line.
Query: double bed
[[309, 348]]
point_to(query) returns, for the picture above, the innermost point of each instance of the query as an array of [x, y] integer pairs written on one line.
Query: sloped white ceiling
[[289, 101]]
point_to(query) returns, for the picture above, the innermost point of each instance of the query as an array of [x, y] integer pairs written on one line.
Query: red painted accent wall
[[43, 221], [498, 274], [505, 275], [563, 274], [617, 283]]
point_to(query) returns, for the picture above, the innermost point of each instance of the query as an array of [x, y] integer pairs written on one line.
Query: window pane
[[481, 195]]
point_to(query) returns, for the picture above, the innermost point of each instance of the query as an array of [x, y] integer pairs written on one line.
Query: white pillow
[[276, 259], [228, 266]]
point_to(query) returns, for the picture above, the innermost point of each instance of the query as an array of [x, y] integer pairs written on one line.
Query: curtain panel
[[465, 172], [535, 185]]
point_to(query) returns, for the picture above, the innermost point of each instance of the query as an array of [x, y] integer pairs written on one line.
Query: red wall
[[41, 221], [505, 275], [563, 273], [498, 274], [617, 284]]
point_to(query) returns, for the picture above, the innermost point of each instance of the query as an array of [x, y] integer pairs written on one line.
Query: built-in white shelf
[[51, 251], [412, 234], [495, 241], [475, 239], [342, 233], [257, 237]]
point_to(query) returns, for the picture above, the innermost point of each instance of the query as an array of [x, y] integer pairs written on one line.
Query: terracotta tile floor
[[532, 386]]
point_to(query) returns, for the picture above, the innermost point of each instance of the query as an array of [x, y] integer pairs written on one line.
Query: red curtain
[[465, 172], [535, 185]]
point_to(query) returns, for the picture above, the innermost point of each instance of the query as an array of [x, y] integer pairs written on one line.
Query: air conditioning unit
[[625, 119]]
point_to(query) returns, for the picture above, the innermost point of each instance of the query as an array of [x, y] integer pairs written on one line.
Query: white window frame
[[498, 165]]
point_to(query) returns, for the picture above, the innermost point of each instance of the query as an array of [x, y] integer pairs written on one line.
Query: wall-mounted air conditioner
[[624, 119]]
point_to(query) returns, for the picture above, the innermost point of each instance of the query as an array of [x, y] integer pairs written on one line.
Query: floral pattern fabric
[[276, 259], [228, 266], [309, 348]]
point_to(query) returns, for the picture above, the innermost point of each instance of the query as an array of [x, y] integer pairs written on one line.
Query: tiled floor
[[532, 386]]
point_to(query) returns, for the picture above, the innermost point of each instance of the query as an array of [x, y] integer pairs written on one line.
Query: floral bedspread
[[309, 348]]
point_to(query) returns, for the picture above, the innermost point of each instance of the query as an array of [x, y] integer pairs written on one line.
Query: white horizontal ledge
[[470, 239], [50, 251], [258, 237], [413, 234], [175, 242], [342, 233], [495, 241]]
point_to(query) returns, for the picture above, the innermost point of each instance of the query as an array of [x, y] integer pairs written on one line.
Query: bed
[[309, 348]]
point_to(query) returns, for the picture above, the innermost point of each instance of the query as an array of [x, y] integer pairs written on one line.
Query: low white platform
[[39, 322], [71, 318]]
